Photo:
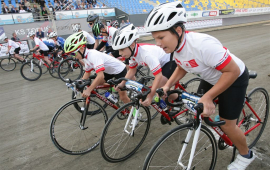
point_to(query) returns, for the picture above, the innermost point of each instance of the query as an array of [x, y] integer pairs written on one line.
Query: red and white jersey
[[13, 44], [204, 56], [98, 61], [110, 30], [41, 44], [89, 38], [149, 55]]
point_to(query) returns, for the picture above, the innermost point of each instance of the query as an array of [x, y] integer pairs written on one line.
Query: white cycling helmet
[[31, 33], [124, 37], [52, 34], [76, 28], [165, 16], [5, 37]]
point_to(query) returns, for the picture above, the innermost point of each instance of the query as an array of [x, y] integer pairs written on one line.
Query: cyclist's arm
[[86, 75], [97, 81], [178, 74], [96, 43], [102, 44], [155, 85], [130, 74], [9, 47], [36, 47]]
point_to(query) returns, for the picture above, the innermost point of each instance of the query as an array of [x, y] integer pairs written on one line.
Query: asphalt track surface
[[28, 107]]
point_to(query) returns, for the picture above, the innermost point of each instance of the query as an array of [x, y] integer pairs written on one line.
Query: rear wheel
[[8, 64], [192, 85], [53, 70], [258, 99], [31, 71], [70, 69]]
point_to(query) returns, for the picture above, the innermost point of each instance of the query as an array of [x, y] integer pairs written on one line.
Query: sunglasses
[[90, 23]]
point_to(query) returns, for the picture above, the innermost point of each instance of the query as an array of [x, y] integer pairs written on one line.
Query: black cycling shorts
[[90, 46], [168, 69], [116, 76], [46, 53], [17, 50], [232, 100]]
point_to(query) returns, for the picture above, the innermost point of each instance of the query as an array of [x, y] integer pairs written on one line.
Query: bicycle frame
[[218, 130]]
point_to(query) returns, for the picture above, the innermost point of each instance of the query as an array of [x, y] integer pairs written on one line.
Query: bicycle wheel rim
[[113, 136], [66, 133], [70, 69], [165, 152], [260, 104], [8, 64], [31, 74]]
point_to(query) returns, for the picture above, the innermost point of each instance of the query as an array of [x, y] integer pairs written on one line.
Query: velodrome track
[[26, 109]]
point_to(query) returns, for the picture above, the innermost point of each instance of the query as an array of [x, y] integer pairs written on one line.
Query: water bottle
[[190, 100], [160, 102], [111, 97]]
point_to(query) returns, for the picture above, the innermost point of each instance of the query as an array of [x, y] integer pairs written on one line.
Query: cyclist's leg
[[167, 71], [16, 51], [46, 58]]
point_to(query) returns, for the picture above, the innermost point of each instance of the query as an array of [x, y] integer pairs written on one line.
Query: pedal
[[164, 121]]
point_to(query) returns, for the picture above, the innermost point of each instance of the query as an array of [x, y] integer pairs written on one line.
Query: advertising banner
[[23, 18], [194, 14], [226, 12], [105, 12], [80, 14], [212, 13], [63, 15], [203, 24], [23, 44], [6, 19], [251, 10]]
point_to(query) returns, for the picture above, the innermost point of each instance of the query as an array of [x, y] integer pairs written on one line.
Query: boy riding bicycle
[[16, 48], [105, 66], [223, 75], [125, 40]]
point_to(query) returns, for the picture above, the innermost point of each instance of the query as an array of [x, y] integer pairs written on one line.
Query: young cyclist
[[107, 32], [105, 66], [223, 74], [91, 19], [16, 48], [150, 55], [43, 49], [59, 42], [89, 38]]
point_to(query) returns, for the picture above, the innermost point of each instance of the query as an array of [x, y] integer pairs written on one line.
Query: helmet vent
[[179, 6], [130, 36], [117, 40], [157, 20], [171, 16], [122, 41], [133, 28], [162, 19], [151, 18]]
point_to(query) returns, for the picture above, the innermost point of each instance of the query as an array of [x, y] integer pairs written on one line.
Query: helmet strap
[[132, 51], [82, 54], [179, 37]]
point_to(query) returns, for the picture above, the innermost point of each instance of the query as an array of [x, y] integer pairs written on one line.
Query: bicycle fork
[[84, 113], [131, 133], [194, 144]]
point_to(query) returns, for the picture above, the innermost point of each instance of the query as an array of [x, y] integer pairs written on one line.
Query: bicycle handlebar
[[140, 95], [79, 84], [199, 108]]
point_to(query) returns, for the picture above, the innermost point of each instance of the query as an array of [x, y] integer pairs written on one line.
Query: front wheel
[[31, 71], [8, 64], [166, 151], [70, 135], [258, 100], [117, 142]]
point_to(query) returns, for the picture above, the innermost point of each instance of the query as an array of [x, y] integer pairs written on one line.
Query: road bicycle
[[76, 127], [121, 138], [193, 145], [36, 66], [9, 64]]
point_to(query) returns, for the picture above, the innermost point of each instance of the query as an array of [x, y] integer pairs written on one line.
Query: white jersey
[[110, 30], [41, 44], [13, 44], [204, 56], [98, 61], [149, 55], [89, 38]]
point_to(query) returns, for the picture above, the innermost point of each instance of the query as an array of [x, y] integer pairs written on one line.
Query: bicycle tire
[[53, 70], [192, 85], [113, 125], [167, 147], [8, 64], [70, 69], [26, 68], [259, 101], [72, 144]]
